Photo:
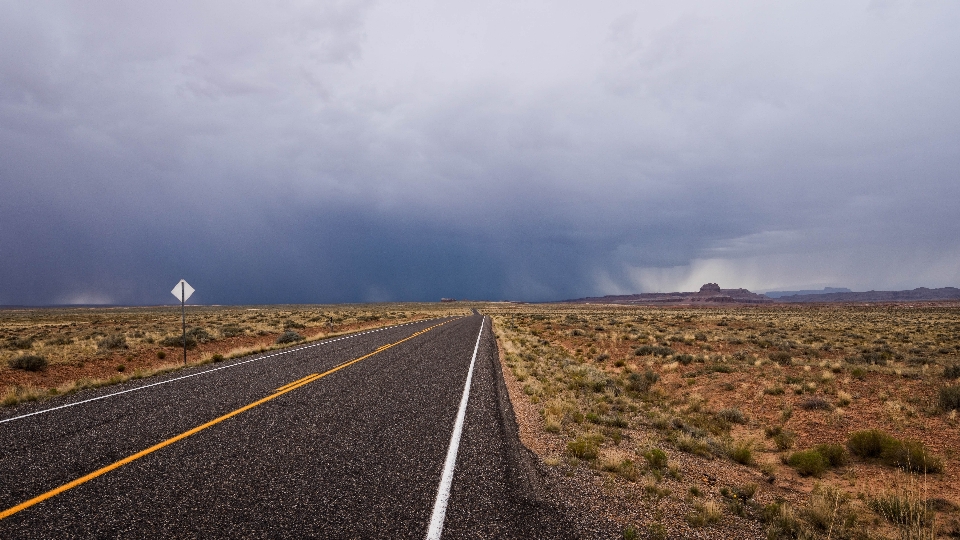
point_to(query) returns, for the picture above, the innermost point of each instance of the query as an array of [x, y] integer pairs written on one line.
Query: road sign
[[182, 291]]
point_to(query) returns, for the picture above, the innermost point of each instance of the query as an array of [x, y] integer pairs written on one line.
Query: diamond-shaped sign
[[182, 291]]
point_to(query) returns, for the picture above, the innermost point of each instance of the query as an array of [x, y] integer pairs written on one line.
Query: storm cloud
[[372, 151]]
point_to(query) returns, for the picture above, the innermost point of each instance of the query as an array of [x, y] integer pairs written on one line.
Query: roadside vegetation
[[759, 422], [48, 352]]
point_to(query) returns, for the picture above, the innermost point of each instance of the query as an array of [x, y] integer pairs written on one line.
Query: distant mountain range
[[826, 290], [711, 293], [921, 294]]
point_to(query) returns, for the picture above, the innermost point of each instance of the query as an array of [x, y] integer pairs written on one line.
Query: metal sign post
[[182, 291]]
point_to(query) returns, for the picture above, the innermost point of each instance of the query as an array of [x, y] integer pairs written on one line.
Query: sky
[[320, 152]]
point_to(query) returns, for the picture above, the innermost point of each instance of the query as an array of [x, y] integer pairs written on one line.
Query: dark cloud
[[406, 151]]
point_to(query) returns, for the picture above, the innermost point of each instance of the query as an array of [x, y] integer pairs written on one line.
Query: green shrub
[[685, 359], [19, 343], [177, 341], [835, 454], [28, 362], [829, 511], [816, 403], [199, 335], [732, 415], [784, 440], [704, 514], [742, 452], [656, 458], [626, 469], [904, 509], [640, 383], [656, 531], [584, 448], [952, 371], [808, 462], [781, 357], [217, 358], [112, 342], [783, 522], [911, 456], [950, 397], [654, 350], [231, 330], [289, 337], [161, 355], [869, 443]]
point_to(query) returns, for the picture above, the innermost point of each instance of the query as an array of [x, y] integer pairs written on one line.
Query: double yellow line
[[277, 393]]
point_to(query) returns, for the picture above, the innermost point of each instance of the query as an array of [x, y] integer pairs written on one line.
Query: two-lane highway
[[344, 439]]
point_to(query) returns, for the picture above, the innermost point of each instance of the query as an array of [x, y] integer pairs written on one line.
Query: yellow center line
[[288, 385], [277, 393]]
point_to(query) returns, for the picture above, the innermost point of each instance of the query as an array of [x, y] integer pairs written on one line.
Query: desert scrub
[[112, 342], [584, 447], [692, 444], [783, 439], [732, 415], [656, 458], [868, 443], [28, 362], [289, 337], [784, 523], [835, 454], [641, 382], [706, 513], [951, 371], [654, 350], [231, 330], [808, 463], [199, 335], [741, 452], [911, 456], [625, 469], [19, 394], [738, 497], [828, 511], [781, 357], [816, 403], [177, 341], [950, 398], [906, 509], [18, 343]]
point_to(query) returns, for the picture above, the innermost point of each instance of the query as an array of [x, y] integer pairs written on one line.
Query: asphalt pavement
[[339, 439]]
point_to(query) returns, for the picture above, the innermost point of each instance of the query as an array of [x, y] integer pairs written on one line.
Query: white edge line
[[323, 342], [446, 480]]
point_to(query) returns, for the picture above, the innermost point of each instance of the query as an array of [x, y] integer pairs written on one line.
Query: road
[[339, 439]]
